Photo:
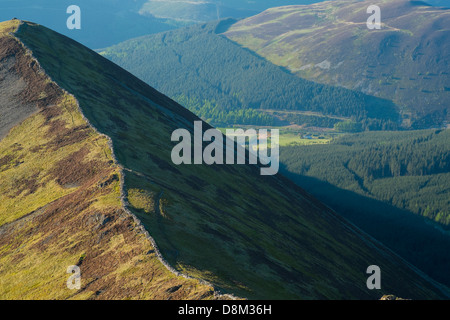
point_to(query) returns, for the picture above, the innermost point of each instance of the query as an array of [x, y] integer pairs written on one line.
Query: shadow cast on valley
[[416, 239]]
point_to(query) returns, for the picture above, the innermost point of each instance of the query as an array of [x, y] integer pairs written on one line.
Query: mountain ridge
[[124, 109], [7, 230]]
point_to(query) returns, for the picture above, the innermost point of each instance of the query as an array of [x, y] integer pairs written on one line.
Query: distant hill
[[86, 179], [60, 195], [226, 84], [407, 61], [108, 22], [103, 22], [204, 11], [441, 3], [209, 10]]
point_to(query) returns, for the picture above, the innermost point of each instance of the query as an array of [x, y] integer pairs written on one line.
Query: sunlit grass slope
[[60, 204]]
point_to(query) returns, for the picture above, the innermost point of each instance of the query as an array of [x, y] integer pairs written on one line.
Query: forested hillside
[[406, 61], [389, 184], [408, 170], [226, 84]]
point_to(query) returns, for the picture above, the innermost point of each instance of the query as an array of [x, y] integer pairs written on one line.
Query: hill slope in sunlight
[[406, 61]]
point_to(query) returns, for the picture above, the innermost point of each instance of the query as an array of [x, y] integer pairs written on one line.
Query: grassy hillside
[[60, 201], [225, 84], [259, 237], [441, 3], [255, 236], [406, 61]]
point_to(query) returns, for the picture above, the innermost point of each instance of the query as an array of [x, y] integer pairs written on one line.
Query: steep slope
[[60, 199], [226, 84], [405, 61], [254, 236]]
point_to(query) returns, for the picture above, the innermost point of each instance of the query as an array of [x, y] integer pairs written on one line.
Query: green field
[[293, 137]]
